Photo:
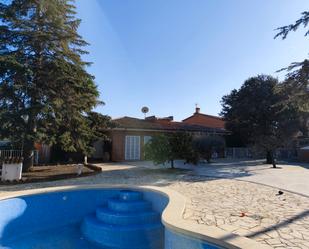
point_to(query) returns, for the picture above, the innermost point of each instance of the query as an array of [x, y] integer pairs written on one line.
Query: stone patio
[[248, 209], [245, 208]]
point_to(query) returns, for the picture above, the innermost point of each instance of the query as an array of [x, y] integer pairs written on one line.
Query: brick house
[[206, 120], [129, 138]]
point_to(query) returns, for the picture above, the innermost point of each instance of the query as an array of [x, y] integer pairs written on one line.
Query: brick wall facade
[[118, 143], [205, 120]]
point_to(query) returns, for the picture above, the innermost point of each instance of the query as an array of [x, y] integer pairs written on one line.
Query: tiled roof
[[135, 123], [205, 115], [205, 120]]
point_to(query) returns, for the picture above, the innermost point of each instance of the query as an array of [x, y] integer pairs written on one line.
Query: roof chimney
[[151, 118], [197, 110]]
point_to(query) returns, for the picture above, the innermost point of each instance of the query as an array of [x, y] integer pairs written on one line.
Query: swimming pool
[[93, 218]]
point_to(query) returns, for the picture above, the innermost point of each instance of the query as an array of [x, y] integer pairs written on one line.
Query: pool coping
[[172, 216]]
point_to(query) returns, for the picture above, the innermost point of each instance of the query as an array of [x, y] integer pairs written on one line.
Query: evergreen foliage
[[255, 113], [302, 21], [295, 92], [296, 85], [45, 90]]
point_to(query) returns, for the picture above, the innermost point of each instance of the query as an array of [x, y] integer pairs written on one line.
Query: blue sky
[[170, 54]]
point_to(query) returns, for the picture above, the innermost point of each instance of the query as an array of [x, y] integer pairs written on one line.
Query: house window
[[147, 139], [132, 148]]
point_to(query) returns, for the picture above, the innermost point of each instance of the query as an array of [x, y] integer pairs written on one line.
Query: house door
[[132, 148]]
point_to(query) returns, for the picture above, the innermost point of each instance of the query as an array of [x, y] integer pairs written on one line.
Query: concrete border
[[172, 216]]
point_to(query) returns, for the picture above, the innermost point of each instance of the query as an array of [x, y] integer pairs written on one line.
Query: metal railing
[[18, 153], [244, 152], [11, 153], [238, 152]]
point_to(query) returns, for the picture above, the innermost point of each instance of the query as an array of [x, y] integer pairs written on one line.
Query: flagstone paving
[[248, 209]]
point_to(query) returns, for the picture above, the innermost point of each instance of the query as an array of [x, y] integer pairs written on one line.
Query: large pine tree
[[296, 85], [45, 90], [295, 89]]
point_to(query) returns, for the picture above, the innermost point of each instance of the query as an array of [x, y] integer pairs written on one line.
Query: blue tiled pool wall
[[175, 240], [30, 214], [35, 214]]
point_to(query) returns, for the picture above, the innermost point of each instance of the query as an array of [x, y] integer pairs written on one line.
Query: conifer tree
[[296, 85], [295, 92], [255, 113], [45, 90]]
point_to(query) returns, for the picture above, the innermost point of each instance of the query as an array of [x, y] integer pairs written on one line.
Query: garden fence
[[238, 152], [18, 153], [243, 152]]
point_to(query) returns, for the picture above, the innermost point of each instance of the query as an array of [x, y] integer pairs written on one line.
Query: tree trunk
[[28, 156], [28, 144], [172, 164], [208, 156], [304, 127], [273, 160], [28, 150], [269, 157]]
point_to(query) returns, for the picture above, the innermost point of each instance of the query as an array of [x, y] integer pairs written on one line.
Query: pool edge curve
[[172, 216]]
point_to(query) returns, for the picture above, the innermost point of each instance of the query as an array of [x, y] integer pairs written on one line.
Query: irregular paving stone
[[250, 210], [273, 242]]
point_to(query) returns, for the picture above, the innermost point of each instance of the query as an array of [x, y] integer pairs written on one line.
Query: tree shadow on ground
[[299, 164], [146, 173], [125, 174], [279, 225]]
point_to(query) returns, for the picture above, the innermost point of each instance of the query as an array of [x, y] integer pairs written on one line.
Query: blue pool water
[[90, 219], [68, 237]]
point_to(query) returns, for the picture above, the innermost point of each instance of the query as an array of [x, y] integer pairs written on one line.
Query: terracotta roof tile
[[135, 123]]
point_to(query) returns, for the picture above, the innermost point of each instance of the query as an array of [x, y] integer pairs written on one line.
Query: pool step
[[122, 237], [128, 206], [126, 222], [110, 217], [129, 195]]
